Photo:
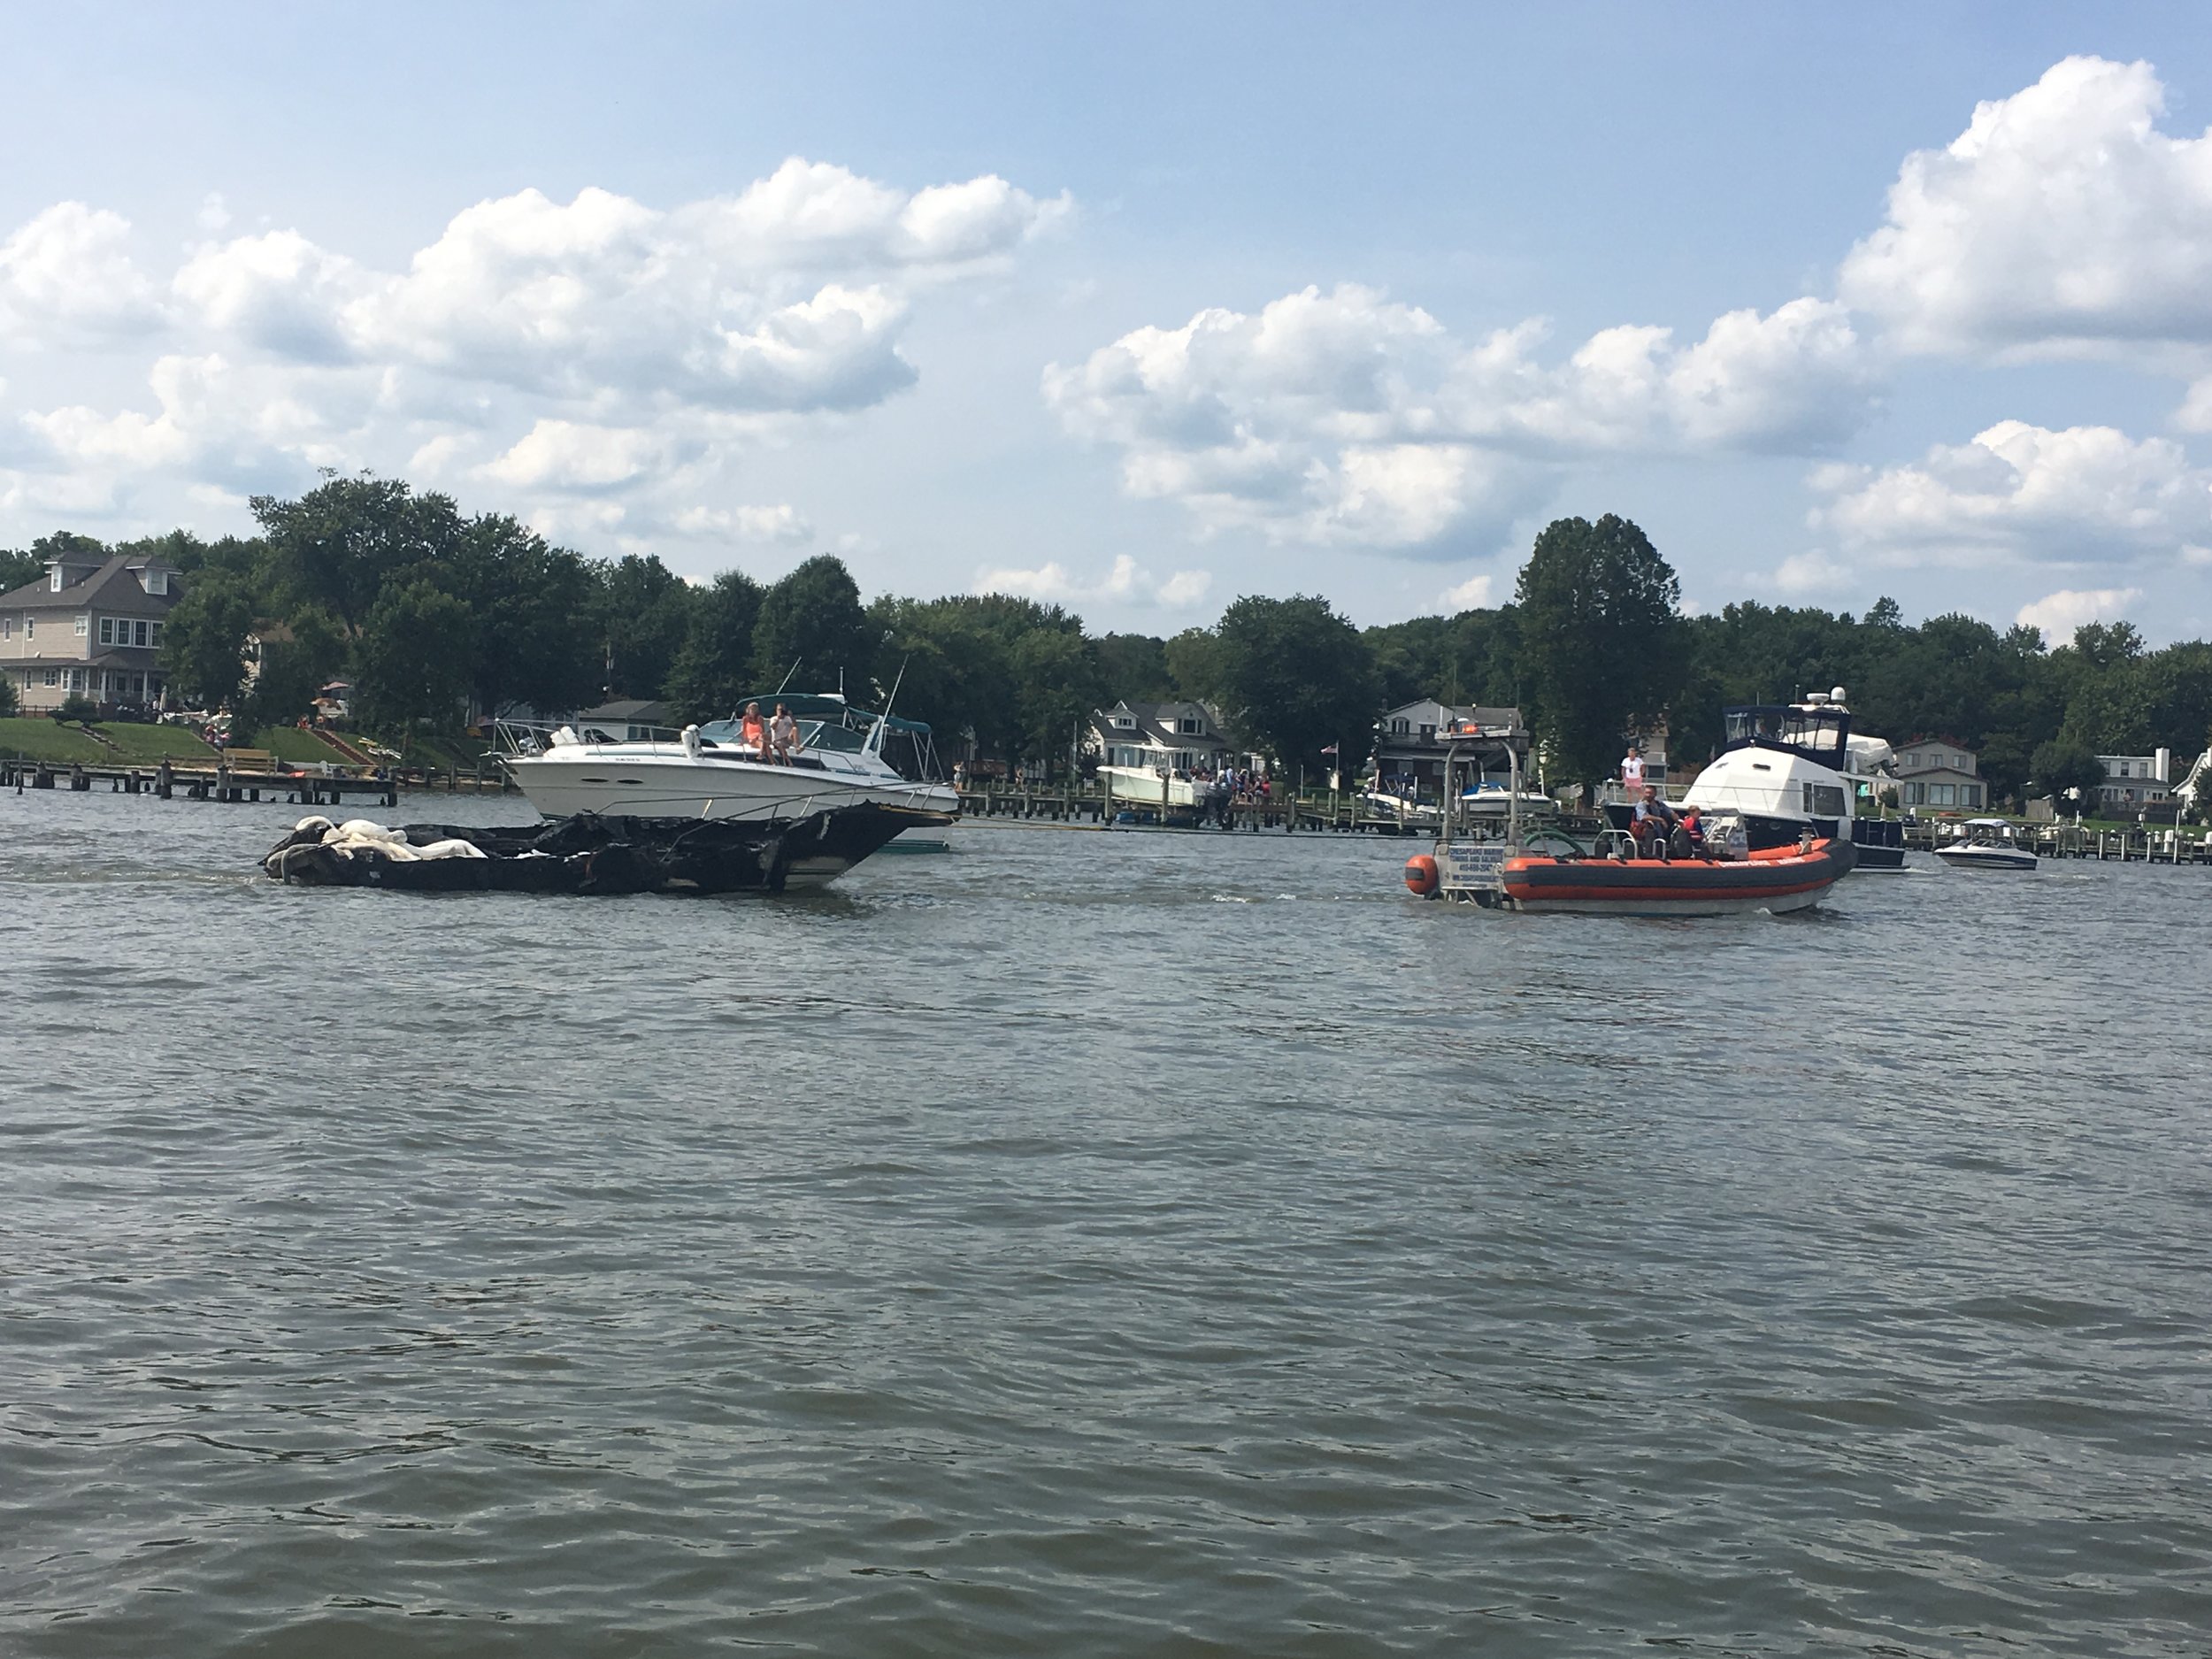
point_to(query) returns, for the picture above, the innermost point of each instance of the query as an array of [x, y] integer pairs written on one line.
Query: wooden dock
[[246, 783]]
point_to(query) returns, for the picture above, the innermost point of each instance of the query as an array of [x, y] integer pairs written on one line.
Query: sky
[[1140, 308]]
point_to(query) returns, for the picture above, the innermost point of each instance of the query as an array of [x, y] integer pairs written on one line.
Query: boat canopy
[[1819, 732], [827, 707]]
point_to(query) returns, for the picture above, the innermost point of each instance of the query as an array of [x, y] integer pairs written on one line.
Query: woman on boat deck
[[783, 735], [752, 734]]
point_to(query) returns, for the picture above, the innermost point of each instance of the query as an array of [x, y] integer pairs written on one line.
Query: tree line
[[433, 615]]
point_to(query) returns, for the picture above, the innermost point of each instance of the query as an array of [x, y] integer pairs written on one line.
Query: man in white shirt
[[1632, 772]]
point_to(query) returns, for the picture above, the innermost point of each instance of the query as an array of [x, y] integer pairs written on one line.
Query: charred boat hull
[[591, 854]]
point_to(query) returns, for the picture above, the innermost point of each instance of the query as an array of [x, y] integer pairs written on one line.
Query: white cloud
[[1348, 420], [214, 214], [67, 278], [1472, 594], [2017, 493], [598, 347], [2059, 614], [2062, 218], [781, 523], [1127, 583], [1812, 571]]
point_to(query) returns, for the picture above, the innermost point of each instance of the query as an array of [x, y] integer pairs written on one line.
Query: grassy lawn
[[40, 739], [296, 748]]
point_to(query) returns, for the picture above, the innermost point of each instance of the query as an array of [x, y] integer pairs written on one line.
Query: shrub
[[76, 708]]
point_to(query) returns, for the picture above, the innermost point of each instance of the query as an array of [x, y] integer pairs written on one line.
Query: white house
[[2132, 780], [1174, 737]]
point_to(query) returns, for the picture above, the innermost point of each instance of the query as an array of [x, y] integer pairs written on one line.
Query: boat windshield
[[1821, 734]]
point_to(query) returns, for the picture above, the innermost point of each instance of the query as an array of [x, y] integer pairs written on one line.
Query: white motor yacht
[[1988, 843], [705, 773], [1788, 768]]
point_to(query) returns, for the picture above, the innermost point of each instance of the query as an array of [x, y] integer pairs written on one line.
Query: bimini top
[[1818, 732], [825, 706]]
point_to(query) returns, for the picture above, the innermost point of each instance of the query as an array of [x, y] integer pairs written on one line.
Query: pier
[[243, 777]]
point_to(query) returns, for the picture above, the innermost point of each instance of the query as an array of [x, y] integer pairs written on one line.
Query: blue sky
[[1143, 307]]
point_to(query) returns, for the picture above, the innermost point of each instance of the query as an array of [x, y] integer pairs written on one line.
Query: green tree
[[1603, 648], [11, 701], [715, 667], [646, 609], [2066, 766], [813, 619], [298, 661], [1133, 667], [1197, 666], [18, 568], [534, 616], [1297, 678], [337, 546], [204, 639], [1056, 671], [410, 660]]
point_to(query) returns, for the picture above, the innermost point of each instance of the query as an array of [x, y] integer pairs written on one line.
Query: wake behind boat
[[708, 772]]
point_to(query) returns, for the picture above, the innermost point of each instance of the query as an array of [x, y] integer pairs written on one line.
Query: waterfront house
[[1170, 736], [627, 720], [1941, 773], [2136, 781], [1411, 742], [89, 627]]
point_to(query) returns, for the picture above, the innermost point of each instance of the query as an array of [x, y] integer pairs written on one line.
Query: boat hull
[[1777, 880], [657, 786], [1985, 858]]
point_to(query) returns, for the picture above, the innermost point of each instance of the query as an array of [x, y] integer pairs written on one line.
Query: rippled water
[[1088, 1244]]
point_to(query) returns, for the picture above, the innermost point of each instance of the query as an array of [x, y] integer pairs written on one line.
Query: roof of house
[[1156, 724], [112, 587], [630, 711]]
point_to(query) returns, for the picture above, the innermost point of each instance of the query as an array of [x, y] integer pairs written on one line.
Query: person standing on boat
[[1632, 772], [752, 733], [783, 735]]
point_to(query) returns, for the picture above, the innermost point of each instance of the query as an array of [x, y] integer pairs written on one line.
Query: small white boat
[[1988, 843]]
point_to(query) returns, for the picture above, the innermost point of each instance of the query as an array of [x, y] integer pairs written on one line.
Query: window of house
[[107, 630], [7, 628], [138, 631], [53, 677], [1969, 794], [156, 581], [1942, 794], [1916, 795], [1399, 728], [53, 579], [84, 624], [1124, 723], [30, 627], [1428, 734], [156, 640]]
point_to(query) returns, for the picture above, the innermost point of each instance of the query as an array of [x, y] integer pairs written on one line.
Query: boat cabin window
[[1823, 800], [1818, 734]]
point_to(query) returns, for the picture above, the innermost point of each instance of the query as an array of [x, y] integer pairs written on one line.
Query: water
[[1088, 1244]]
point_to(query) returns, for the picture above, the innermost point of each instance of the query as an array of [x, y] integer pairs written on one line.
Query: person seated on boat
[[783, 735], [1652, 822], [752, 733], [1688, 838]]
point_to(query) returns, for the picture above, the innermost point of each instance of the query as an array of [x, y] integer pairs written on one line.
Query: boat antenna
[[786, 678], [883, 720]]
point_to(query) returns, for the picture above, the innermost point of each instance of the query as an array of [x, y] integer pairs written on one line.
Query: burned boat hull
[[589, 854]]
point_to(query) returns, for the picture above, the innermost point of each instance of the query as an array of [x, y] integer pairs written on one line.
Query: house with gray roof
[[89, 627], [1173, 737]]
